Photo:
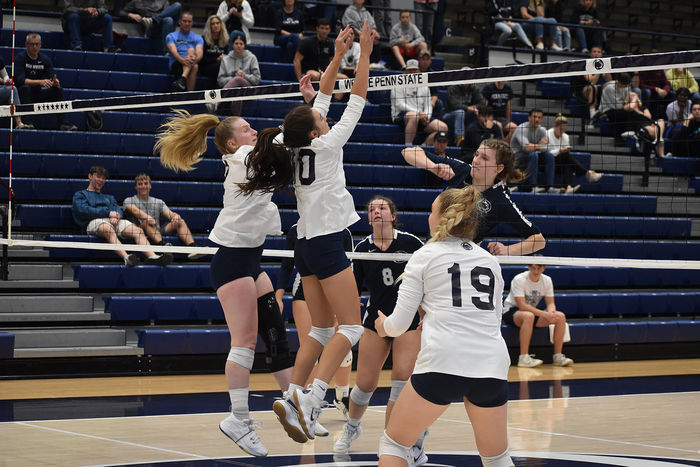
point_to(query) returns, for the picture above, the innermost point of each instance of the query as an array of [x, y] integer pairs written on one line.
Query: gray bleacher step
[[46, 304], [695, 227], [81, 351], [31, 271], [678, 205], [616, 163], [68, 337], [658, 184], [53, 317], [24, 252], [39, 284]]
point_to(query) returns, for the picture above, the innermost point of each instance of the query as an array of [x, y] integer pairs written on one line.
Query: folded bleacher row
[[173, 310]]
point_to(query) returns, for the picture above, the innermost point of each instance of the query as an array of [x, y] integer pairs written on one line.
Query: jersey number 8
[[476, 275]]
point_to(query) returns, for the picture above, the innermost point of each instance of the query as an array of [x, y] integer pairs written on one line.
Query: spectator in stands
[[520, 309], [85, 17], [479, 130], [99, 214], [186, 50], [323, 10], [686, 139], [215, 49], [555, 9], [461, 108], [425, 65], [381, 16], [656, 91], [683, 78], [406, 40], [315, 53], [498, 96], [146, 211], [533, 11], [35, 78], [425, 21], [237, 15], [586, 88], [626, 112], [586, 13], [6, 89], [529, 143], [239, 69], [504, 9], [678, 111], [566, 164], [289, 28], [355, 16], [412, 109], [157, 19]]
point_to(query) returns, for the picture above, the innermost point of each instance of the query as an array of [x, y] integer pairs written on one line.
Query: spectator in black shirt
[[85, 17], [498, 96], [315, 53], [289, 28], [157, 19], [481, 129], [586, 13], [215, 49], [35, 78]]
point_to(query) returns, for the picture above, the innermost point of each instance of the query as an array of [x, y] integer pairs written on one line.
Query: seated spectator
[[425, 62], [381, 16], [567, 165], [504, 9], [683, 78], [35, 78], [555, 9], [146, 211], [412, 109], [315, 53], [626, 112], [656, 91], [215, 40], [186, 50], [481, 129], [157, 19], [99, 214], [498, 96], [533, 11], [426, 20], [586, 13], [349, 62], [237, 15], [83, 17], [6, 89], [529, 143], [686, 138], [239, 69], [586, 88], [677, 113], [406, 40], [289, 28], [461, 108], [520, 309], [355, 16]]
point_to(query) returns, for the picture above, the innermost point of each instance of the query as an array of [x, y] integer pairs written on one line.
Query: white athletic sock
[[291, 389], [341, 391], [354, 422], [319, 389], [239, 403]]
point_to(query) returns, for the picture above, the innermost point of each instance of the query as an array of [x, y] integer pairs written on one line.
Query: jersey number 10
[[307, 169], [476, 274]]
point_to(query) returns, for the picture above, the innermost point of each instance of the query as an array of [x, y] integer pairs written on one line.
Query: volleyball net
[[639, 210]]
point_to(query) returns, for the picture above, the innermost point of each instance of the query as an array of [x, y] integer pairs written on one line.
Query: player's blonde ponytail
[[459, 214]]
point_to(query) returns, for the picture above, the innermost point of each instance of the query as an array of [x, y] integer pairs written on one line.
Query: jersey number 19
[[476, 275]]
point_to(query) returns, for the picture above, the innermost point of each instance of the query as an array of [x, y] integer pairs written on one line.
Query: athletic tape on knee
[[242, 355], [396, 387], [501, 460], [389, 447], [359, 396], [347, 361], [323, 335], [352, 331], [273, 333]]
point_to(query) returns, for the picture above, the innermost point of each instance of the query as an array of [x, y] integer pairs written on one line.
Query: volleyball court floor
[[612, 413]]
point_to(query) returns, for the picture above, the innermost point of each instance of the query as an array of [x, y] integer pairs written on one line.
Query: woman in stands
[[380, 278], [244, 291], [304, 151], [215, 49], [239, 68], [566, 164], [457, 288], [492, 168]]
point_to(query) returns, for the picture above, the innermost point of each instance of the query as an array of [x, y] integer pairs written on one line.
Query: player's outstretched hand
[[307, 90], [344, 40], [366, 39]]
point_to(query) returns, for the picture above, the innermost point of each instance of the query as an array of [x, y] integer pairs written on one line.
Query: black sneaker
[[67, 127], [131, 260], [159, 260], [77, 48], [114, 49], [180, 84]]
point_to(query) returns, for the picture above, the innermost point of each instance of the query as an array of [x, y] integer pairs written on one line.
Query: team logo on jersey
[[467, 246], [484, 206], [398, 261]]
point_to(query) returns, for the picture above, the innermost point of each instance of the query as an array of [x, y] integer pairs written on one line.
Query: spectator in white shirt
[[566, 164]]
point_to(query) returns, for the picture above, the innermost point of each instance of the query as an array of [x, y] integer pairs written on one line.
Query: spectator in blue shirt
[[99, 214], [85, 17], [186, 50]]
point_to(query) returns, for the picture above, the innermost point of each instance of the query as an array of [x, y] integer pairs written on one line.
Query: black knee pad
[[273, 333]]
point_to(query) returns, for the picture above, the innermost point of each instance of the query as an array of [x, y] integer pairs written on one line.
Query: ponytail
[[269, 165], [459, 214], [183, 139]]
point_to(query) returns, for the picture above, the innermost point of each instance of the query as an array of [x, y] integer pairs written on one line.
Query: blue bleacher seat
[[7, 345], [195, 341]]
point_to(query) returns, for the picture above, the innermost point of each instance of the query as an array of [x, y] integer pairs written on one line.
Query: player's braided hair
[[183, 139], [459, 215]]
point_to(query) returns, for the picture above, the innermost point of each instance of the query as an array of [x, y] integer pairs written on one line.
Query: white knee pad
[[396, 387], [352, 331], [359, 396], [323, 335], [389, 447], [501, 460], [242, 355], [347, 361]]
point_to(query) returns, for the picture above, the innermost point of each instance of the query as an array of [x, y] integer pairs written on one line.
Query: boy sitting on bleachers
[[406, 40]]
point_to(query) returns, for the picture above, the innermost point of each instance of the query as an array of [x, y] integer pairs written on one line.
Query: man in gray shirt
[[146, 211], [529, 143]]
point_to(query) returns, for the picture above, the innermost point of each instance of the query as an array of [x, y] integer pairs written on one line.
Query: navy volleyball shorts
[[444, 389], [230, 264], [322, 256]]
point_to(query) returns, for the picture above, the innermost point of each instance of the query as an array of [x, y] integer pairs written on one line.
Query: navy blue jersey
[[380, 276], [496, 205]]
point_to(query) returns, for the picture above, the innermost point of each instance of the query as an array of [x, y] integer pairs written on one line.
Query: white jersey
[[459, 286], [522, 286], [245, 221], [325, 206]]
